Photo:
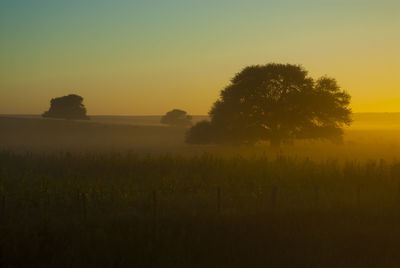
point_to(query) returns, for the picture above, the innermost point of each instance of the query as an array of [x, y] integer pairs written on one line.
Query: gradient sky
[[147, 57]]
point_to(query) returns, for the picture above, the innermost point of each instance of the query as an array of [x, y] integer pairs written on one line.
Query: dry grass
[[126, 210], [137, 196]]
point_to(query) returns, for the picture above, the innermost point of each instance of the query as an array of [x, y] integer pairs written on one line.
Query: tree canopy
[[275, 102], [177, 117], [67, 107]]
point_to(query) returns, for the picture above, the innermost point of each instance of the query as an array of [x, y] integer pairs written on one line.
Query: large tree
[[67, 107], [275, 102]]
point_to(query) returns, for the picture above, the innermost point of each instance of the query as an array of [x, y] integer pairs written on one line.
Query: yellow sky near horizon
[[135, 58]]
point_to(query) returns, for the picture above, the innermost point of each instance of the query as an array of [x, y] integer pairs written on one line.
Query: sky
[[148, 57]]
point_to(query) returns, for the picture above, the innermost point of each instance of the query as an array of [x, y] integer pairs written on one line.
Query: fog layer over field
[[371, 136]]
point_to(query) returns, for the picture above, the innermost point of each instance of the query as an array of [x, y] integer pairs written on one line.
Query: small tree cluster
[[67, 107], [177, 118]]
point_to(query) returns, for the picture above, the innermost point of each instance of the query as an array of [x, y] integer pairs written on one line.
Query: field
[[95, 194], [371, 137]]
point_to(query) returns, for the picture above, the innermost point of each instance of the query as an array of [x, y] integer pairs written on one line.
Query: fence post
[[84, 205], [398, 192], [3, 206], [154, 197], [274, 196], [218, 199], [316, 196], [47, 196]]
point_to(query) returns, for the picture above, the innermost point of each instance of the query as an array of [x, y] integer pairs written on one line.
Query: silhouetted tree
[[67, 107], [275, 102], [176, 117], [201, 133]]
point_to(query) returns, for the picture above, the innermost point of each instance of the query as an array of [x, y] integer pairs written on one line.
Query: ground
[[371, 136], [128, 192]]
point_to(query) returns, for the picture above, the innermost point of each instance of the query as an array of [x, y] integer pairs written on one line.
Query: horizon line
[[16, 114]]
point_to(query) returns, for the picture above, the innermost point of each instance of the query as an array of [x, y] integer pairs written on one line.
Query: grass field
[[93, 194], [114, 210]]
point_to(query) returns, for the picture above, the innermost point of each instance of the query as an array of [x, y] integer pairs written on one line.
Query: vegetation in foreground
[[121, 210]]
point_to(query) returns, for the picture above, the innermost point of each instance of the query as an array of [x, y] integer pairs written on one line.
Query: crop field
[[80, 194], [122, 210]]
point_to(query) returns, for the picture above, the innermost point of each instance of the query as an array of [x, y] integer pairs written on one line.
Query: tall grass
[[124, 210]]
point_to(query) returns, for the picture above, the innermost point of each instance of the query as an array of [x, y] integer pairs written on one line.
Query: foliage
[[201, 133], [67, 107], [103, 210], [277, 102], [177, 117]]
